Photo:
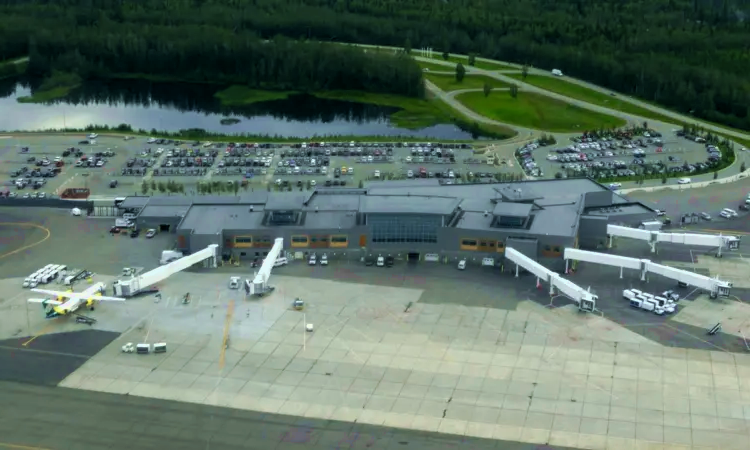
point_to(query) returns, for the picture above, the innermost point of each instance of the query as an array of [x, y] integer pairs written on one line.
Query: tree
[[361, 184], [460, 72], [236, 187], [153, 185], [513, 90], [407, 46], [487, 89], [472, 59], [716, 174], [664, 179], [524, 71], [162, 187], [144, 187], [742, 167], [558, 175]]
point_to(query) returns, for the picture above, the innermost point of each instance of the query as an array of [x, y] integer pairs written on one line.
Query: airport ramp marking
[[47, 232]]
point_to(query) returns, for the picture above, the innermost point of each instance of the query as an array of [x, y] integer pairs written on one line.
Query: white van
[[381, 261], [628, 294], [728, 213], [281, 262], [128, 216], [462, 264]]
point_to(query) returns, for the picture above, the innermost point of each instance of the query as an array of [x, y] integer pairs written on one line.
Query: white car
[[380, 262], [313, 260], [377, 174], [615, 185], [324, 260], [151, 140], [408, 159], [93, 136], [234, 283], [462, 264], [684, 181], [659, 212], [313, 182]]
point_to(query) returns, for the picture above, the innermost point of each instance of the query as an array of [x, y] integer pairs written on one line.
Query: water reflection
[[174, 107]]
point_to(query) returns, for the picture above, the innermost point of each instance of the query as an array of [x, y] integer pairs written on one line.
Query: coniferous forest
[[690, 55]]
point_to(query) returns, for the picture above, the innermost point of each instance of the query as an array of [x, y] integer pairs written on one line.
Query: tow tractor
[[84, 319]]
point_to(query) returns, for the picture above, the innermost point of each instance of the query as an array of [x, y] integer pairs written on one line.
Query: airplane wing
[[44, 300], [78, 295]]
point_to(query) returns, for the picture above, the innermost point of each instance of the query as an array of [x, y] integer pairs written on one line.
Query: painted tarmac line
[[25, 247], [20, 447]]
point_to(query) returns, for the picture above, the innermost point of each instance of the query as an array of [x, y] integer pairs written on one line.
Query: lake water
[[172, 107]]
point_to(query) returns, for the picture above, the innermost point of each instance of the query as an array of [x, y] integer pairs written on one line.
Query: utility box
[[143, 349]]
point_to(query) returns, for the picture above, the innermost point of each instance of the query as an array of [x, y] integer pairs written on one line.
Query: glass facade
[[404, 228]]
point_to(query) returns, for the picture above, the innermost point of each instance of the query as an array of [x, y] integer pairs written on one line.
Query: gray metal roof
[[170, 200], [134, 202], [404, 204], [211, 219], [512, 209], [286, 201], [333, 203], [156, 211], [330, 220]]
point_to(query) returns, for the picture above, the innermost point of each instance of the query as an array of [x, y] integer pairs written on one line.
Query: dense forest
[[691, 55]]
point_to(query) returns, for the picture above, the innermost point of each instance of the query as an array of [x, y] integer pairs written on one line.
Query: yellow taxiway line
[[44, 331], [25, 247], [225, 338], [20, 447]]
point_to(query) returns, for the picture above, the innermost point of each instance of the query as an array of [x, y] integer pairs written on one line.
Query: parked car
[[234, 282], [462, 264], [150, 233], [324, 259], [381, 261], [135, 233], [705, 216]]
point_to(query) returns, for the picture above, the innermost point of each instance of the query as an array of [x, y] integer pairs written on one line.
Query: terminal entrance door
[[412, 257]]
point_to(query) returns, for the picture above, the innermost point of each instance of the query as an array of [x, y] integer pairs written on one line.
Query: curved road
[[498, 75]]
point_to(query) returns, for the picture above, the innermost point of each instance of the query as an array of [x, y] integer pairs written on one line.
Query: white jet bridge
[[125, 288], [586, 300], [654, 237], [259, 285], [714, 286]]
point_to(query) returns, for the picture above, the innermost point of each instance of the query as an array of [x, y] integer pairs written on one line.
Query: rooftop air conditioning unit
[[486, 213], [252, 208]]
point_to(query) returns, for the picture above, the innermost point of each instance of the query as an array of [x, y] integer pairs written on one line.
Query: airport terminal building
[[415, 220]]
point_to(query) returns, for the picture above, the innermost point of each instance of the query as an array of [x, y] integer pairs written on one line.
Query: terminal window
[[388, 228]]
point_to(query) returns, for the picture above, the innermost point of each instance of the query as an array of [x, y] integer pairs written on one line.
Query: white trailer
[[209, 256], [259, 284], [653, 237], [714, 286], [585, 300]]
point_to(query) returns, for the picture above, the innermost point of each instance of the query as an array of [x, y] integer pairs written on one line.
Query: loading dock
[[585, 300], [126, 288], [715, 286], [653, 237], [412, 257]]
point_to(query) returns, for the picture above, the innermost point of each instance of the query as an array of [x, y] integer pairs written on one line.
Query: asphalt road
[[43, 418]]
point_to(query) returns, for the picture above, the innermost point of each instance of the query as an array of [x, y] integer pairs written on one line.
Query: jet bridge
[[585, 300], [714, 286], [259, 285], [654, 237], [127, 288]]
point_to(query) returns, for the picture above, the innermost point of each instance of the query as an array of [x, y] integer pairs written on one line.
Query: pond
[[174, 107]]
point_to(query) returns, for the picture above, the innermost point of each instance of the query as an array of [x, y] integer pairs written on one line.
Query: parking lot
[[118, 166], [619, 155]]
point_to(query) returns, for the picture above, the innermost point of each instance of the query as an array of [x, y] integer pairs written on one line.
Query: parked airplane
[[68, 302]]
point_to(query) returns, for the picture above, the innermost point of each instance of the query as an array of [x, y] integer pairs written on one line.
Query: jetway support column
[[516, 270]]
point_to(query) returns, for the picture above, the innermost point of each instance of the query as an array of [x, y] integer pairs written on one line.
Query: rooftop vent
[[316, 209], [252, 208], [486, 213]]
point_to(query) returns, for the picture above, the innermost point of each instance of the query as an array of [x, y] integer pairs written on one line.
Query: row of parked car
[[189, 161], [235, 161], [190, 171]]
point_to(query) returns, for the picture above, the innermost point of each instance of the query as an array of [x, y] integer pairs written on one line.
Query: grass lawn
[[448, 82], [432, 67], [47, 95], [243, 95], [537, 111], [417, 113], [572, 90]]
